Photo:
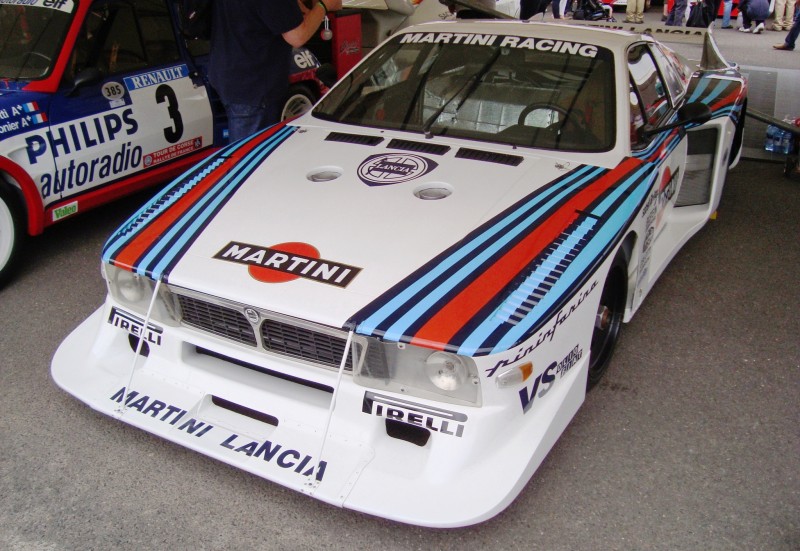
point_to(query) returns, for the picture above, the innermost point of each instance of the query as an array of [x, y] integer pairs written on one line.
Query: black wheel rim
[[608, 323]]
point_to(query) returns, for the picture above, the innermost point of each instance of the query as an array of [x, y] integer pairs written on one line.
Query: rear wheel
[[299, 100], [11, 232], [609, 320]]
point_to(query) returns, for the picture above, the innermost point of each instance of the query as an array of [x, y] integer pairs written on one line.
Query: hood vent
[[357, 139], [419, 147], [546, 271], [488, 156]]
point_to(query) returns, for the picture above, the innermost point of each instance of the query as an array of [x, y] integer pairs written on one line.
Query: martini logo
[[393, 168], [287, 262]]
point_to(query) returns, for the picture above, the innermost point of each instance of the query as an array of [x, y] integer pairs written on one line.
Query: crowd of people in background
[[754, 14]]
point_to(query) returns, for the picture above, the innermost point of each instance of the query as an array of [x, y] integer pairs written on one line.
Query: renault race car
[[396, 302], [99, 99]]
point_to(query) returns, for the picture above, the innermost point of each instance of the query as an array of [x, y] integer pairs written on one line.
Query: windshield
[[514, 90], [31, 36]]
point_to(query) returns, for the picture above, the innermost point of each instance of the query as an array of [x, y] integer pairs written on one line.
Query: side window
[[673, 70], [157, 32], [651, 90], [637, 120], [120, 36]]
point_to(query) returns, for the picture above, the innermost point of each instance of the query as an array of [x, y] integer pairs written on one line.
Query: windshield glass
[[31, 36], [543, 93]]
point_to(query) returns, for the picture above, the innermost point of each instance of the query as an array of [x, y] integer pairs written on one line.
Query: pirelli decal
[[286, 261]]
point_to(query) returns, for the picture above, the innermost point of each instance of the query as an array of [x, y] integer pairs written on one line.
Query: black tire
[[738, 137], [299, 100], [12, 232], [608, 322]]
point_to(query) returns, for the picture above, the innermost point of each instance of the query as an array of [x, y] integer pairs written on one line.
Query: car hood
[[362, 229]]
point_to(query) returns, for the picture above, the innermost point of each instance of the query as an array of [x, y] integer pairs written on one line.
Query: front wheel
[[11, 233], [608, 322]]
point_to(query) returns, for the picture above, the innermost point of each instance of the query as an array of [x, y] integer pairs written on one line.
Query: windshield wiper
[[472, 82]]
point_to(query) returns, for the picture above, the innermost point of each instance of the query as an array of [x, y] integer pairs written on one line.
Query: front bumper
[[280, 429]]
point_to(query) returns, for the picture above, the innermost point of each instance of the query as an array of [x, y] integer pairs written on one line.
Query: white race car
[[396, 302]]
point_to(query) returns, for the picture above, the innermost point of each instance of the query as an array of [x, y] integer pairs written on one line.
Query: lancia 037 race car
[[396, 302], [99, 99]]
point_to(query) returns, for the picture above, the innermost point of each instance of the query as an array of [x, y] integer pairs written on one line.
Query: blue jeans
[[675, 17], [726, 13], [244, 120], [791, 38]]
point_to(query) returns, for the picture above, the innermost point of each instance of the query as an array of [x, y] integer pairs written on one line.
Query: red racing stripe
[[133, 251], [448, 321]]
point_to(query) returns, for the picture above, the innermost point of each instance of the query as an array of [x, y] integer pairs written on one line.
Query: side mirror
[[90, 75], [691, 113]]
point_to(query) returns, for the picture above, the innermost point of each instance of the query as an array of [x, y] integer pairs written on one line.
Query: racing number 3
[[165, 93]]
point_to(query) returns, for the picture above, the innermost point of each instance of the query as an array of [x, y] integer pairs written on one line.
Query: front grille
[[279, 335], [217, 319], [305, 344]]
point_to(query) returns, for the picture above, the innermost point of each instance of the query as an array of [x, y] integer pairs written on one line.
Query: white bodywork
[[321, 429]]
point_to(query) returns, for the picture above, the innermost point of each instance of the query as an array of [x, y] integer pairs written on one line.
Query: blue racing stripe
[[186, 230], [479, 336], [401, 300], [593, 250]]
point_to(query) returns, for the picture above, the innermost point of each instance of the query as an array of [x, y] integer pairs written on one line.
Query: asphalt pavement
[[691, 442]]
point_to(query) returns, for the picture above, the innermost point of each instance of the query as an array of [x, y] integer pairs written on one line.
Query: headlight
[[446, 371], [135, 292], [417, 371]]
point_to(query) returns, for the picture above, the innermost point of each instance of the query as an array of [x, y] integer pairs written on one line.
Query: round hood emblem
[[393, 168], [252, 316]]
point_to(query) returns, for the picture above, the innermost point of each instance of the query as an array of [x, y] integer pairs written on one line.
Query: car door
[[127, 105], [652, 103]]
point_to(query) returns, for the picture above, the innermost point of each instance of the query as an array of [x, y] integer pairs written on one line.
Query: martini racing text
[[539, 44]]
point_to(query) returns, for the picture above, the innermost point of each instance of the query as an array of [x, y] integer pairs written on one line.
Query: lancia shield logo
[[393, 168]]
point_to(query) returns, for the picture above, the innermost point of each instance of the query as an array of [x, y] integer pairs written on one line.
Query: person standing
[[634, 11], [791, 38], [784, 13], [677, 13], [251, 47], [727, 7]]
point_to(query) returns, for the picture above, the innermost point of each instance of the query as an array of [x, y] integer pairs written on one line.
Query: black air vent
[[357, 139], [419, 147], [298, 342], [216, 319], [488, 157]]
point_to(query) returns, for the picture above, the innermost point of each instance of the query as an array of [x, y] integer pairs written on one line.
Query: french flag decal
[[39, 118], [30, 107]]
